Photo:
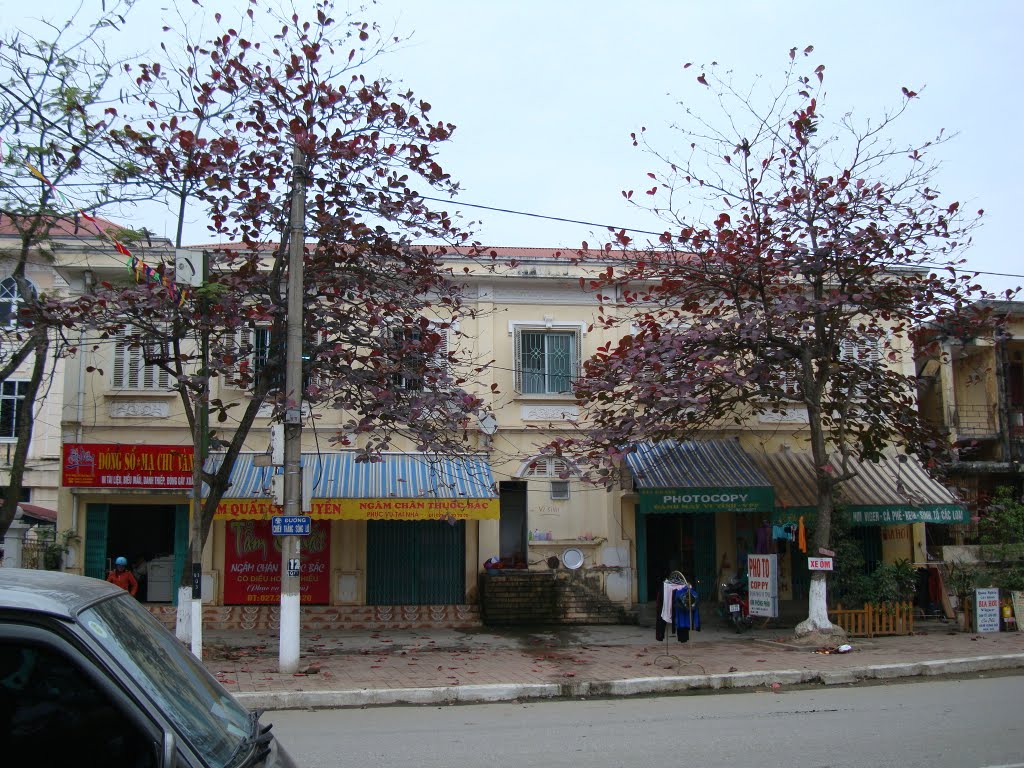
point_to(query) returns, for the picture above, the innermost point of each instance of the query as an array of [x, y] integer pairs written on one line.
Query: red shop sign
[[252, 564], [101, 465]]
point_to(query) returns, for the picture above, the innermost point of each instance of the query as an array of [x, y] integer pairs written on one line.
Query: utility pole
[[288, 647], [201, 445]]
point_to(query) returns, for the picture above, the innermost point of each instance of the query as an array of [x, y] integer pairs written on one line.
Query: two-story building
[[411, 537], [973, 386]]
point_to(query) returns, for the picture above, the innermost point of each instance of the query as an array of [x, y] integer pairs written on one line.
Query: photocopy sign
[[763, 583]]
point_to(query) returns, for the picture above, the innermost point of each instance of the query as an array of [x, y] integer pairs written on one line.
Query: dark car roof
[[61, 594]]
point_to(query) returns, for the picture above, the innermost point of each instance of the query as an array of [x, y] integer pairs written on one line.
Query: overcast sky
[[545, 94]]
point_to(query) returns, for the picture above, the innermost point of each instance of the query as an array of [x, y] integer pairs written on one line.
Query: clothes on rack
[[677, 608]]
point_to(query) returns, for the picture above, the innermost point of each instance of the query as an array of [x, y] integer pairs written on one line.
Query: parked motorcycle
[[734, 604]]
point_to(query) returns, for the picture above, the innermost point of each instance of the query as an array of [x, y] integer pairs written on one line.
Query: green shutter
[[418, 562], [96, 519]]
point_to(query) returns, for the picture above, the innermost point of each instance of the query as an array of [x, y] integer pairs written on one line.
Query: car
[[89, 677]]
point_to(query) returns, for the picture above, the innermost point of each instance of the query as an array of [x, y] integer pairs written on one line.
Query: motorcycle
[[734, 604]]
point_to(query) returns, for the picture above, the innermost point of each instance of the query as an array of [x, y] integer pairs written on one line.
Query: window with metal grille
[[547, 362], [130, 370], [254, 347], [560, 489], [421, 369], [12, 393]]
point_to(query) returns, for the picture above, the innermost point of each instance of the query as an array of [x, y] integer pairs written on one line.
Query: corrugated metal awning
[[398, 475], [896, 489], [694, 464], [698, 476]]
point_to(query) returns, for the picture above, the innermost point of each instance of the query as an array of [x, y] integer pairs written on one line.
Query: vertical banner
[[252, 564], [763, 583]]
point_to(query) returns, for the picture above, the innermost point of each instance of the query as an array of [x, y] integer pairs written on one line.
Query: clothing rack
[[676, 577]]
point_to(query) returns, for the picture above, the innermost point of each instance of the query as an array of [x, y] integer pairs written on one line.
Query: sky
[[545, 95]]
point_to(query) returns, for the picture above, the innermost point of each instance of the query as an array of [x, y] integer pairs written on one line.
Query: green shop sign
[[741, 499], [885, 514]]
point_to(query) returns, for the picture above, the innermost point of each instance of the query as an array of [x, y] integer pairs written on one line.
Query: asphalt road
[[974, 723]]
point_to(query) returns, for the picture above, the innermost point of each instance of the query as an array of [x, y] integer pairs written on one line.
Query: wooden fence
[[874, 620]]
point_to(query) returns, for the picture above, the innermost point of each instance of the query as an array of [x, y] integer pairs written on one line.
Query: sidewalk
[[363, 668]]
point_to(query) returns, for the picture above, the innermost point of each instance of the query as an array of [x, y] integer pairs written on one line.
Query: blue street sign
[[290, 525]]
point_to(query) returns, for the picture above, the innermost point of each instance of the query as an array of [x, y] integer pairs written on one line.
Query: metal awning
[[895, 490], [698, 476], [401, 486]]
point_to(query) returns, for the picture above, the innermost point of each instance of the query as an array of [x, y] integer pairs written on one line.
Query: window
[[547, 361], [864, 354], [12, 393], [421, 368], [251, 347], [11, 302], [560, 489], [255, 347], [56, 714], [550, 466], [130, 370]]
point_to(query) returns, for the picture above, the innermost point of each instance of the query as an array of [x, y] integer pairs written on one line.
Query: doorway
[[681, 542]]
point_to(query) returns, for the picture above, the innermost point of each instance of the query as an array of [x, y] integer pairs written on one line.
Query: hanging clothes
[[685, 612], [801, 535], [669, 612]]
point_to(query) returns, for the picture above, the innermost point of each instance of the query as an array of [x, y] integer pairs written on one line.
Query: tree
[[830, 248], [220, 128], [51, 138]]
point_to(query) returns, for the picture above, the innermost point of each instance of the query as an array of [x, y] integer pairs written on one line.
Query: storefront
[[398, 531], [389, 532], [889, 503], [690, 495], [135, 502]]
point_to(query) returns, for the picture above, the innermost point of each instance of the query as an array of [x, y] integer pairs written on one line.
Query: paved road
[[972, 723]]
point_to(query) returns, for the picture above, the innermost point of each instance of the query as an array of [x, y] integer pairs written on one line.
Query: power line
[[638, 231], [562, 220]]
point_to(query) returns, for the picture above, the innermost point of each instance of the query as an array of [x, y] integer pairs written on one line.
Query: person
[[123, 577]]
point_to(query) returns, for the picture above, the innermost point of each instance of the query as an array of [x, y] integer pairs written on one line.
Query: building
[[414, 538], [973, 387]]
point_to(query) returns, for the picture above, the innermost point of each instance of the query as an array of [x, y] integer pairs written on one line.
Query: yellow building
[[424, 535]]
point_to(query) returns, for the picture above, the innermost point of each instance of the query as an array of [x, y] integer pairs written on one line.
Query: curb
[[482, 694]]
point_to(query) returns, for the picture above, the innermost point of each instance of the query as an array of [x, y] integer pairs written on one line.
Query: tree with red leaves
[[216, 132], [829, 249]]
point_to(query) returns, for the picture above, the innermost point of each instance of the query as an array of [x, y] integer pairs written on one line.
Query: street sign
[[290, 525], [819, 563], [826, 552]]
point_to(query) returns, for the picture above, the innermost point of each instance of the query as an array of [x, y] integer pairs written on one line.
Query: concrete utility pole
[[288, 655], [201, 447]]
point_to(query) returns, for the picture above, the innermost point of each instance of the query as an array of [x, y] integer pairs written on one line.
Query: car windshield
[[203, 713]]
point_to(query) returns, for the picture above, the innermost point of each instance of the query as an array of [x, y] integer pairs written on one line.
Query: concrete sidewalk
[[362, 668]]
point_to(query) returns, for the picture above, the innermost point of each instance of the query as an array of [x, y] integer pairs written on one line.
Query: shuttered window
[[130, 370]]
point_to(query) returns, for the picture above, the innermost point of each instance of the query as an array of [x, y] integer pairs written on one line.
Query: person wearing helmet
[[123, 577]]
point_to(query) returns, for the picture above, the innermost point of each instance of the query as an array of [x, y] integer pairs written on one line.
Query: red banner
[[99, 465], [252, 564]]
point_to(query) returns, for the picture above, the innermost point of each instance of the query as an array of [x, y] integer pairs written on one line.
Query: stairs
[[520, 598]]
